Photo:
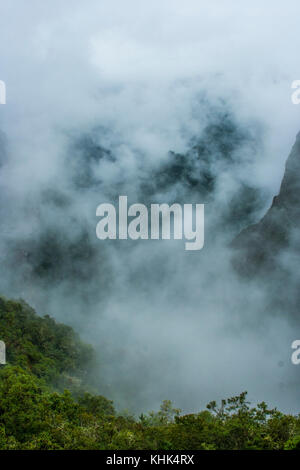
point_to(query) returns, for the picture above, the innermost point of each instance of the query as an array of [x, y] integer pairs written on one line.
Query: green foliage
[[35, 414], [96, 405], [164, 416], [293, 444], [39, 344]]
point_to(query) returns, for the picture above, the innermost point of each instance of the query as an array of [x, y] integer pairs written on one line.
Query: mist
[[162, 103]]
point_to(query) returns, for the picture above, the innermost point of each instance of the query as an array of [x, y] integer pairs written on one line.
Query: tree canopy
[[41, 408]]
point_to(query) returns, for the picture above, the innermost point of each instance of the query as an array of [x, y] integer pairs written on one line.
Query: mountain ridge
[[257, 247]]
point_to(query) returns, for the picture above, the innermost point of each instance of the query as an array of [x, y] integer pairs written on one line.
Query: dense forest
[[47, 402]]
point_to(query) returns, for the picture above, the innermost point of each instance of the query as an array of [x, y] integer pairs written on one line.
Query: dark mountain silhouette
[[259, 245], [269, 251]]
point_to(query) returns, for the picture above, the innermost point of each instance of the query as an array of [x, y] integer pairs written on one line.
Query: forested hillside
[[46, 402]]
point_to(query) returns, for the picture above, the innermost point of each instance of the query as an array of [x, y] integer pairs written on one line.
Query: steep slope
[[34, 416], [50, 350], [259, 246]]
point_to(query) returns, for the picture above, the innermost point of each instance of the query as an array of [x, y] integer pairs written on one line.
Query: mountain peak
[[257, 247]]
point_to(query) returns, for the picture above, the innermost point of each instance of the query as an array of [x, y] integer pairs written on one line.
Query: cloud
[[97, 96]]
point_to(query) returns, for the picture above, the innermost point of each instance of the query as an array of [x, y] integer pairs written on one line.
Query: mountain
[[36, 415], [258, 247], [268, 252]]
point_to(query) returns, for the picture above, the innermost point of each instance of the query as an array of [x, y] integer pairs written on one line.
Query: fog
[[168, 102]]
